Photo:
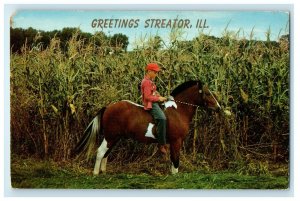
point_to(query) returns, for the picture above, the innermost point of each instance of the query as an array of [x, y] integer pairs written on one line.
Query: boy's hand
[[162, 99], [157, 94]]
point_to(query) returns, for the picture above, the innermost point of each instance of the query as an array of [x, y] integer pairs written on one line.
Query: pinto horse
[[130, 120]]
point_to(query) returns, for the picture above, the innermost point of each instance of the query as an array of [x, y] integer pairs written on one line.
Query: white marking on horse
[[219, 106], [173, 169], [149, 131], [133, 103], [170, 103], [103, 164], [100, 154]]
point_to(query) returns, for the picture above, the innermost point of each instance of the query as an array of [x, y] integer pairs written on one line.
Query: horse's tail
[[88, 141]]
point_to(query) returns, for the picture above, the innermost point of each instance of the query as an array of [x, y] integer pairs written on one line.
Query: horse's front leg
[[175, 152]]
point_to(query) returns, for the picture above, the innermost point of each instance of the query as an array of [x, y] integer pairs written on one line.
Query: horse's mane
[[186, 85]]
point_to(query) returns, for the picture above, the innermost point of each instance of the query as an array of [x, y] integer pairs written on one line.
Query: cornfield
[[55, 94]]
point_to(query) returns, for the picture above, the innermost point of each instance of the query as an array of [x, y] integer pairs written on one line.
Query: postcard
[[150, 99]]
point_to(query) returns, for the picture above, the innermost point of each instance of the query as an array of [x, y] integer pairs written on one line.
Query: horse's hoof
[[174, 170]]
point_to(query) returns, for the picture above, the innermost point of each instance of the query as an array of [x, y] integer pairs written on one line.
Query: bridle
[[197, 106], [214, 99]]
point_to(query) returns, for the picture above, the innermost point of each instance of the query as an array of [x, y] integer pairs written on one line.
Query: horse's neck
[[186, 112], [186, 106]]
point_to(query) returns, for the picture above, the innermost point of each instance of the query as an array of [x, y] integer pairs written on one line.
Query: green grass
[[40, 174]]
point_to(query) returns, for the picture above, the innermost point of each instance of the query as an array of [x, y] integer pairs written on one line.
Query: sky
[[151, 23]]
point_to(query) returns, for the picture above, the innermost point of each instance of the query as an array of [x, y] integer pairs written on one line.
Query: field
[[41, 174], [56, 92]]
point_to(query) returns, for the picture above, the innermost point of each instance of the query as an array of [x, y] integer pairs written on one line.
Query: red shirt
[[148, 93]]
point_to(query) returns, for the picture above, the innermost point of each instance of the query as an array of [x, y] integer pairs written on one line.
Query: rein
[[185, 103], [193, 105]]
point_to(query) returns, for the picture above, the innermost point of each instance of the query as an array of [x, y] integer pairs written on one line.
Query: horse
[[126, 119]]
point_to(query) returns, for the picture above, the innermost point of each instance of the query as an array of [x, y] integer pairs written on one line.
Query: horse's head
[[195, 93], [207, 98]]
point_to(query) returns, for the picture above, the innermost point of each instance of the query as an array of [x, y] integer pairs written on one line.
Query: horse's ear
[[200, 85]]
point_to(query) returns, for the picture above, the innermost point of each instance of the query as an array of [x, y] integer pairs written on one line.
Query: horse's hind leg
[[104, 159], [100, 154], [103, 164]]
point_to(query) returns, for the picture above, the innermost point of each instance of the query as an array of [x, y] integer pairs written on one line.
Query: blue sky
[[216, 22]]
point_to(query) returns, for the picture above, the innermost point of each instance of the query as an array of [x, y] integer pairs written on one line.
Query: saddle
[[170, 103]]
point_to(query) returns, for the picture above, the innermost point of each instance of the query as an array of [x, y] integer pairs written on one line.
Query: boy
[[150, 101]]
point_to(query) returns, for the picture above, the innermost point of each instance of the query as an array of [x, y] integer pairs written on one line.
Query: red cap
[[153, 66]]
